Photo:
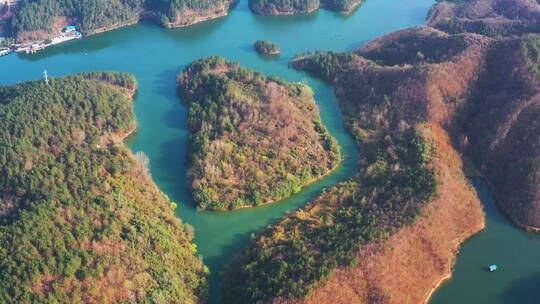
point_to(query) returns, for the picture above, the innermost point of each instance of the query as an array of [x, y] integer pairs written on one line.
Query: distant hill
[[39, 19], [291, 7]]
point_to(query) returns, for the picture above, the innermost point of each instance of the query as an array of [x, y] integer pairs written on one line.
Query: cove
[[155, 55], [514, 250]]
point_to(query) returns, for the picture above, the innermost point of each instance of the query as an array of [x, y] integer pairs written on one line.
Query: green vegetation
[[266, 47], [289, 258], [389, 110], [80, 221], [396, 179], [272, 7], [328, 63], [254, 139], [530, 48], [96, 14]]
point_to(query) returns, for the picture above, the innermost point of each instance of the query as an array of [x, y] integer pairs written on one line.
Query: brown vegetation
[[503, 128], [408, 265], [493, 18], [254, 139], [479, 96]]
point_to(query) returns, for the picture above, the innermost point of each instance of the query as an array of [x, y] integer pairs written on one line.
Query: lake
[[155, 55]]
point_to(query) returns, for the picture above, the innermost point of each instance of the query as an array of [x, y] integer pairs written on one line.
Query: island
[[286, 7], [80, 219], [428, 106], [266, 47], [253, 139], [34, 22]]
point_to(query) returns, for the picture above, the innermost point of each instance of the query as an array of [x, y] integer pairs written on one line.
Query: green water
[[156, 55], [515, 251]]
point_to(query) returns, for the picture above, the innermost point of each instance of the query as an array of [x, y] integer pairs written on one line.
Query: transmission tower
[[46, 76]]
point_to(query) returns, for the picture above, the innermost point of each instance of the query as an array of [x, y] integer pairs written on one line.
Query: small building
[[4, 52], [69, 29], [492, 267]]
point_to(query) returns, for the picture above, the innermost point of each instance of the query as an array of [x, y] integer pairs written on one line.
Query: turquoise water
[[155, 55]]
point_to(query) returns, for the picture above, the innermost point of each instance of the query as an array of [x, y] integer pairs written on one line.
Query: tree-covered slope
[[254, 139], [502, 127], [396, 108], [38, 19], [80, 220], [289, 258], [492, 18], [464, 93], [290, 7]]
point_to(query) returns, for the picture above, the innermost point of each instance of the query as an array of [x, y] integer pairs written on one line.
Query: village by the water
[[6, 47], [68, 33]]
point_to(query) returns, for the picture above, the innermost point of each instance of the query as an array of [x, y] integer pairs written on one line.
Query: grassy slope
[[254, 139], [80, 220]]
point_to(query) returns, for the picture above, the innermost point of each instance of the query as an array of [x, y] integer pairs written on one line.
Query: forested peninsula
[[291, 7], [253, 139], [80, 219], [419, 102], [36, 20]]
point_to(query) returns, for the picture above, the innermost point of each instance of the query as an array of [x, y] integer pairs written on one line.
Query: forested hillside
[[289, 258], [253, 139], [37, 19], [502, 128], [290, 7], [80, 220], [392, 102], [416, 101], [494, 18]]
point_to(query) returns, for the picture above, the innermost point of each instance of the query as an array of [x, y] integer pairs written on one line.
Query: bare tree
[[143, 160]]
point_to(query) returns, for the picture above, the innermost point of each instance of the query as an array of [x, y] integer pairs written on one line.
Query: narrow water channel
[[155, 55]]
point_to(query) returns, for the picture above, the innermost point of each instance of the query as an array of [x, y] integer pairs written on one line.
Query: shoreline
[[447, 276], [278, 199], [503, 209], [198, 19], [202, 18], [472, 171], [266, 12], [172, 25]]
